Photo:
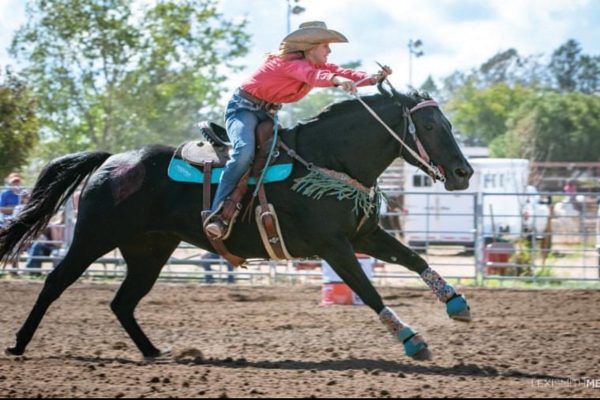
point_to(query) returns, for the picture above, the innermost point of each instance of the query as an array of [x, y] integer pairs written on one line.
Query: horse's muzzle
[[458, 177]]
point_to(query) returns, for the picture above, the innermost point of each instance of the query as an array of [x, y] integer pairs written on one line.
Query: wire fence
[[475, 239]]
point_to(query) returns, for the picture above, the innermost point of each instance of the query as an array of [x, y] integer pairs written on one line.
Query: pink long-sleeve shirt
[[289, 79]]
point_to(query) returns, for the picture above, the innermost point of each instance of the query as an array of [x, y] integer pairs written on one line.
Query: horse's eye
[[429, 127]]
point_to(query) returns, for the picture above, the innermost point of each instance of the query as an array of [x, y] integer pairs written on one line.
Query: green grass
[[539, 284]]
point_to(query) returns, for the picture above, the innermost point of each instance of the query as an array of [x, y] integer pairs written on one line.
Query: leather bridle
[[436, 172]]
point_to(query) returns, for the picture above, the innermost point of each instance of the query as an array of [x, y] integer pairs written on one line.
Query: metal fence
[[469, 237], [549, 237]]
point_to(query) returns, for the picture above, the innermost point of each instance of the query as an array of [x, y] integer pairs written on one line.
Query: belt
[[265, 105]]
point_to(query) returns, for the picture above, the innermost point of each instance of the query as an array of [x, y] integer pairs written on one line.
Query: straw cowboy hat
[[310, 34]]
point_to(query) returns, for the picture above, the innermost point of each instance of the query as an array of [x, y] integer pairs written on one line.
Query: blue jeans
[[37, 249], [241, 119], [206, 264]]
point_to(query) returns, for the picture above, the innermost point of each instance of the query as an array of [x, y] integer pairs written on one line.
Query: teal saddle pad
[[181, 171]]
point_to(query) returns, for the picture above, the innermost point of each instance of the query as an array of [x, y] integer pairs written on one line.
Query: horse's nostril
[[463, 172]]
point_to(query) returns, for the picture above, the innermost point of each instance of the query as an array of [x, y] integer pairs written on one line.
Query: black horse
[[129, 203]]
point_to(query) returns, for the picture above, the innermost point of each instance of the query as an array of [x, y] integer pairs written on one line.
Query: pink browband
[[423, 104]]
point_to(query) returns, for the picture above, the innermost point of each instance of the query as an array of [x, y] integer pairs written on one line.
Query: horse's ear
[[383, 91]]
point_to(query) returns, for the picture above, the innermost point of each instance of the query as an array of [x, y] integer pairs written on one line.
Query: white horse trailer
[[436, 216]]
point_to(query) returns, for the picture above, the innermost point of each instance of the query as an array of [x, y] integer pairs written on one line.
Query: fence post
[[479, 242]]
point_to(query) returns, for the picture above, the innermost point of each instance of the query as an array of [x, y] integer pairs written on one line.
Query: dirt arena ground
[[276, 341]]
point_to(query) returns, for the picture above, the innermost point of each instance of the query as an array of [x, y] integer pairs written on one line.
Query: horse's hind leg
[[145, 257], [78, 258]]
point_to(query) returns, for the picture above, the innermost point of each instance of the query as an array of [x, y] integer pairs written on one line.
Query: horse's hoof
[[463, 316], [13, 351], [458, 309], [166, 354], [158, 355], [414, 346], [423, 355]]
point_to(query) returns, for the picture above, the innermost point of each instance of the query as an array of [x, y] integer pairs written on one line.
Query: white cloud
[[12, 16], [457, 34]]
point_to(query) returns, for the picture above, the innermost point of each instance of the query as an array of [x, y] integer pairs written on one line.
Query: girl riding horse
[[285, 77]]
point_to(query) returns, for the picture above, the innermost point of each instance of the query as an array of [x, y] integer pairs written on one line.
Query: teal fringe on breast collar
[[323, 182]]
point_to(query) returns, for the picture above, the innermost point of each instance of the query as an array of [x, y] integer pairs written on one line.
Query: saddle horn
[[214, 134]]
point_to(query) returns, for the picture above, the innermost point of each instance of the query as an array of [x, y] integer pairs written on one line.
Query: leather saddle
[[203, 162], [215, 149], [189, 159]]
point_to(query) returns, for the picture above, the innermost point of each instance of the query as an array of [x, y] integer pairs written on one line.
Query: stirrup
[[216, 215]]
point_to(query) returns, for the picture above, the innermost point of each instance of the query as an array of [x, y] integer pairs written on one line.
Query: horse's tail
[[57, 181]]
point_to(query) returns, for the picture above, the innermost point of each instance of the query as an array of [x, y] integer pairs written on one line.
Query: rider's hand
[[346, 84], [382, 74]]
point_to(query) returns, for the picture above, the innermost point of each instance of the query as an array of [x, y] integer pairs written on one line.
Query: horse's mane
[[343, 107]]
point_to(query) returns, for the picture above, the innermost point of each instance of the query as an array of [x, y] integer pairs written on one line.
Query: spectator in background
[[10, 197], [70, 218], [50, 240], [23, 200], [570, 188], [43, 245], [210, 258]]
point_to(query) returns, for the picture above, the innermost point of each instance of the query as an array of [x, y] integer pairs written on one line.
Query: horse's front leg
[[382, 246], [340, 255]]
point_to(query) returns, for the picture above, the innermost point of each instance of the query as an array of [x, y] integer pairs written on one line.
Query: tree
[[494, 104], [18, 123], [564, 65], [574, 71], [589, 74], [510, 68], [430, 87], [498, 68], [109, 80], [556, 127], [481, 114]]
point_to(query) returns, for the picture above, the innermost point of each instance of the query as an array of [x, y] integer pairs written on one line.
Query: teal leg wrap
[[412, 344], [406, 333], [456, 305]]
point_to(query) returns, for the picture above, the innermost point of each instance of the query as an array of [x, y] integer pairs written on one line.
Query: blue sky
[[456, 34]]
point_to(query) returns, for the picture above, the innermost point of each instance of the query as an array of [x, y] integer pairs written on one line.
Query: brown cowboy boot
[[215, 226], [219, 223]]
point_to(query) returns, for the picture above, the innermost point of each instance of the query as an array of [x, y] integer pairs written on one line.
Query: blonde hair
[[289, 54], [294, 47]]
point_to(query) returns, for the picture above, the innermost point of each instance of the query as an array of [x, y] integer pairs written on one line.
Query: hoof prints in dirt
[[252, 343]]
